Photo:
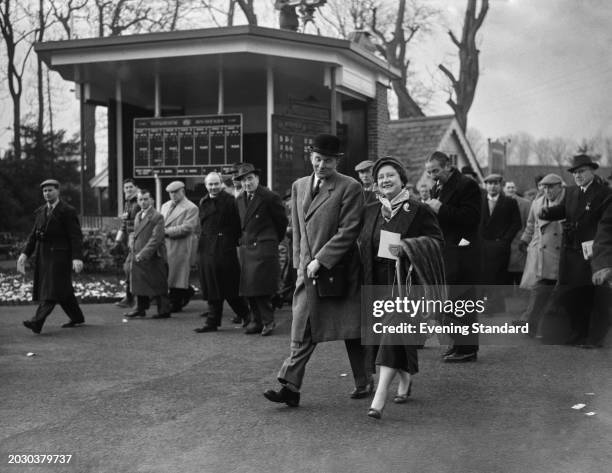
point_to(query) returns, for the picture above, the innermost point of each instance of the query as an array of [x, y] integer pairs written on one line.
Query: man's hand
[[313, 268], [602, 277], [77, 265], [21, 263], [434, 204], [522, 246], [395, 250]]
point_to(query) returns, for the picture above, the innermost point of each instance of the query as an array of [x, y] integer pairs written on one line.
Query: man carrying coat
[[56, 242], [263, 224], [218, 261], [147, 260], [582, 209], [181, 222], [326, 215]]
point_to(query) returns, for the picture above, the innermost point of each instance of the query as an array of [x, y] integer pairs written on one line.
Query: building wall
[[378, 123]]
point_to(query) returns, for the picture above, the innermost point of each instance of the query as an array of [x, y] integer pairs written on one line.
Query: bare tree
[[464, 87], [64, 13], [519, 148], [479, 145], [16, 64], [248, 8]]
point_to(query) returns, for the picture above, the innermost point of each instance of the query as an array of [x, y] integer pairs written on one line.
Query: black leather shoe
[[448, 352], [461, 357], [374, 413], [125, 303], [161, 316], [32, 326], [403, 398], [252, 328], [267, 329], [135, 313], [206, 328], [361, 392], [72, 324], [286, 395]]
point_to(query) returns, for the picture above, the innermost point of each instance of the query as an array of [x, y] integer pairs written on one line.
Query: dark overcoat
[[326, 228], [497, 230], [459, 217], [602, 246], [263, 224], [219, 236], [414, 220], [582, 212], [149, 276], [54, 242]]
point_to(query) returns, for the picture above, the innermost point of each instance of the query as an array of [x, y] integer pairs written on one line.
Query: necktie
[[48, 210], [491, 205], [316, 188], [250, 197]]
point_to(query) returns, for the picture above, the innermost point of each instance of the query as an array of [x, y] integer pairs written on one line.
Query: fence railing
[[96, 222]]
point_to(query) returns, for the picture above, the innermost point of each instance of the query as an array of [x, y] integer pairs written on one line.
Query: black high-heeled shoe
[[375, 413], [403, 398]]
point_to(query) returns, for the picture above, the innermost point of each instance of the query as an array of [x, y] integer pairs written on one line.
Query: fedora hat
[[582, 160], [327, 145], [244, 169]]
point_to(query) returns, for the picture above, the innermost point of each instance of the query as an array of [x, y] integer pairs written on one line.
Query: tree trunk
[[17, 125]]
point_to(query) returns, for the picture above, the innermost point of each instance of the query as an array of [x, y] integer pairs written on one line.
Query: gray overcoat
[[330, 225]]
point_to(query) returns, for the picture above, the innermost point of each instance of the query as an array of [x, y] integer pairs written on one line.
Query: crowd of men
[[554, 242]]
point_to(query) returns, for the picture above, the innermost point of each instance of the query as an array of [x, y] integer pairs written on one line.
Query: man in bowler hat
[[56, 243], [583, 208], [326, 215], [263, 224]]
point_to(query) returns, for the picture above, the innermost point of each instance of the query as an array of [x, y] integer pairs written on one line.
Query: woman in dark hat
[[420, 260]]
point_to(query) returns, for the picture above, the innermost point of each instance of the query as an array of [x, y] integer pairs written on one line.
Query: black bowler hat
[[244, 169], [582, 160], [467, 170], [327, 145]]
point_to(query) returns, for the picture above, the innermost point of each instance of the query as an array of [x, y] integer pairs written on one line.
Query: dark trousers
[[292, 371], [70, 306], [215, 309], [464, 343], [262, 312], [179, 297], [588, 308], [144, 302]]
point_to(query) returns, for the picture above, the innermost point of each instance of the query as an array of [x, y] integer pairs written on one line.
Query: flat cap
[[50, 182], [493, 178], [174, 186], [551, 179], [364, 165]]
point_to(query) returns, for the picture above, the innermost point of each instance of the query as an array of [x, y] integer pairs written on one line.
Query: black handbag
[[331, 282]]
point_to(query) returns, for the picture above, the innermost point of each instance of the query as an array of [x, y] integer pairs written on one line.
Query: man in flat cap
[[499, 223], [263, 224], [541, 241], [218, 260], [56, 243], [181, 224], [370, 189], [456, 200], [327, 209], [583, 208]]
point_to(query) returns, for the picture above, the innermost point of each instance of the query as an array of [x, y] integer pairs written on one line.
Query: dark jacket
[[150, 275], [130, 209], [54, 242], [459, 217], [602, 246], [263, 223], [497, 231], [219, 236], [582, 212]]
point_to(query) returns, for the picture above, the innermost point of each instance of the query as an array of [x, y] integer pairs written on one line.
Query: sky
[[545, 67]]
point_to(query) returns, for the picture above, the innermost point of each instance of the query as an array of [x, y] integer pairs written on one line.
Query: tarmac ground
[[153, 396]]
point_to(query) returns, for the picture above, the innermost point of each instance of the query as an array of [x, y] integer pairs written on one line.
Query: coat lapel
[[325, 190], [176, 213], [141, 224], [252, 206]]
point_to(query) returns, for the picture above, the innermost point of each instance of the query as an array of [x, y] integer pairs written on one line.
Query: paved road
[[153, 396]]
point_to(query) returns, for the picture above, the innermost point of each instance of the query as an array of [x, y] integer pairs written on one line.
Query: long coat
[[602, 246], [459, 217], [326, 228], [219, 235], [181, 225], [544, 238], [517, 257], [149, 277], [54, 241], [497, 230], [263, 224], [582, 212]]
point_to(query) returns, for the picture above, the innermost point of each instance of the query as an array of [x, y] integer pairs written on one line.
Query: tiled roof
[[412, 140]]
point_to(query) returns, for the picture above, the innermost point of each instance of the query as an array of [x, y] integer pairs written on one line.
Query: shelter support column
[[269, 113], [157, 112], [221, 90], [82, 140], [119, 144], [333, 101]]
